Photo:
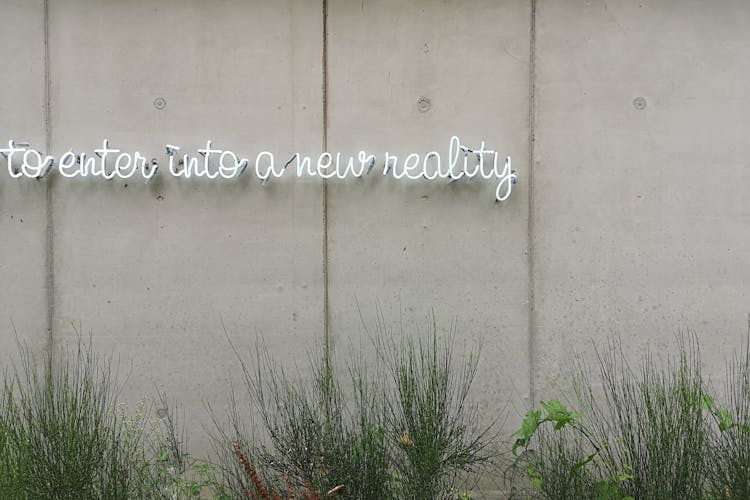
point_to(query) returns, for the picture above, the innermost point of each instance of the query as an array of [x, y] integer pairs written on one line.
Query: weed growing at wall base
[[313, 440], [63, 435], [651, 432], [437, 428], [400, 426], [729, 469]]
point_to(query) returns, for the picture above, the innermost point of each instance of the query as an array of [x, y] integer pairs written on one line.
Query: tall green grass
[[643, 431], [653, 421], [439, 432], [65, 435], [6, 464], [399, 425], [315, 435], [729, 467]]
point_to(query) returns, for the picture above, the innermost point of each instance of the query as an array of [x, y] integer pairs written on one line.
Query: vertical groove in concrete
[[530, 176], [326, 309], [49, 229]]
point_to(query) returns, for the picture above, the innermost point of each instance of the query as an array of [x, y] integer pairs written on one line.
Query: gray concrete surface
[[409, 248], [23, 213], [152, 270], [641, 215], [633, 220]]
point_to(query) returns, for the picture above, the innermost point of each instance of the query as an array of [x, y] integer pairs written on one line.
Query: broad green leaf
[[558, 414], [530, 424], [528, 428]]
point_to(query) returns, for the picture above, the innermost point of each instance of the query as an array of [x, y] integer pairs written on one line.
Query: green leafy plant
[[558, 467], [555, 413], [644, 435]]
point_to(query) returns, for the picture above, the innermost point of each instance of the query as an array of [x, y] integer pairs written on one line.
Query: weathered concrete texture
[[641, 213], [23, 294], [417, 247], [638, 221], [153, 269]]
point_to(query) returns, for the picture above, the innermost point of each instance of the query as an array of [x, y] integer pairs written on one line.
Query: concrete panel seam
[[49, 224], [530, 176], [326, 305]]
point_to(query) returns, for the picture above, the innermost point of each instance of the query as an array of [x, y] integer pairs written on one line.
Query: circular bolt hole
[[639, 103], [423, 104], [160, 103]]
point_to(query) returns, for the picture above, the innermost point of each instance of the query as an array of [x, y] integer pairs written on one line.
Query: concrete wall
[[627, 121], [24, 303], [640, 213]]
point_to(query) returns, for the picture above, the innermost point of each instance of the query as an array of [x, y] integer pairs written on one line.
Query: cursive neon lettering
[[108, 162]]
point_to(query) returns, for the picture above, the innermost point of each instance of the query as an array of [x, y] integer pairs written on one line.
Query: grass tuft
[[400, 426]]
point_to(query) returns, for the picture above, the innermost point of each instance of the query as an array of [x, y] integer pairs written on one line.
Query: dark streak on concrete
[[326, 308], [50, 222], [530, 177]]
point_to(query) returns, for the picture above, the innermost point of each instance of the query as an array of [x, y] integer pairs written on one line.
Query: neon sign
[[461, 162]]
